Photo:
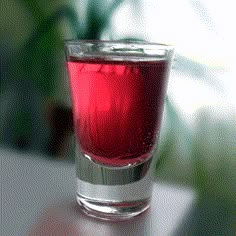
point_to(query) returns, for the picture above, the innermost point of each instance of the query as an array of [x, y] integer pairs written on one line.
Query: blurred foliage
[[202, 156], [33, 81]]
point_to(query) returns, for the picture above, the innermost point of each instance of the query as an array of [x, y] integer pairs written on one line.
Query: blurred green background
[[198, 136]]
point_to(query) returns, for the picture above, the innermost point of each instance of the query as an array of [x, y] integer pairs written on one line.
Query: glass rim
[[71, 42], [119, 50]]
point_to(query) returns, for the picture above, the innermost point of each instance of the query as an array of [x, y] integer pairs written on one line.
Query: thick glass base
[[112, 211], [113, 193]]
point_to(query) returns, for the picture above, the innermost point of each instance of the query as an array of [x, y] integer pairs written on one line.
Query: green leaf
[[35, 8], [98, 18], [50, 23]]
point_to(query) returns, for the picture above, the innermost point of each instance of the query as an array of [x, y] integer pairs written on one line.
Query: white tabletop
[[38, 198]]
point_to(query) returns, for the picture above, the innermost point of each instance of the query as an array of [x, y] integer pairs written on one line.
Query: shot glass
[[117, 92]]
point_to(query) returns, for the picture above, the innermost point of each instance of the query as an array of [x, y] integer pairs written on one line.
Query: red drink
[[117, 108]]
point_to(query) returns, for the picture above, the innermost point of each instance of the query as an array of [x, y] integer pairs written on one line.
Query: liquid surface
[[117, 108]]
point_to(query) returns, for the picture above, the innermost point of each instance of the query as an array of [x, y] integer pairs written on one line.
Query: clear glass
[[117, 92]]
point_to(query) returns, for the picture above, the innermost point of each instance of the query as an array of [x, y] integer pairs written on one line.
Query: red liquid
[[117, 108]]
